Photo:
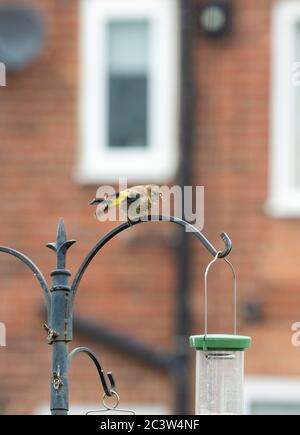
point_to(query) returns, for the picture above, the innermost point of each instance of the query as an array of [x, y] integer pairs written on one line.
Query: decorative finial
[[62, 244]]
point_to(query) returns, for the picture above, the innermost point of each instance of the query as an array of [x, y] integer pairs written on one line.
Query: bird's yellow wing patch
[[116, 202]]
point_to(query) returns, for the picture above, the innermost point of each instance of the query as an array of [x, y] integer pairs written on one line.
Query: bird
[[136, 202]]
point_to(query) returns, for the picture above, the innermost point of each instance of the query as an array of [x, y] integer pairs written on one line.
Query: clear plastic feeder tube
[[219, 383], [220, 374], [219, 363]]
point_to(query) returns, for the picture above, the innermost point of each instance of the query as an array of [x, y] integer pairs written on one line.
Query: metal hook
[[111, 408], [114, 232], [206, 293], [228, 246], [109, 391]]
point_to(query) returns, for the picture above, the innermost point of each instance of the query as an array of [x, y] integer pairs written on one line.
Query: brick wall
[[38, 142], [231, 147]]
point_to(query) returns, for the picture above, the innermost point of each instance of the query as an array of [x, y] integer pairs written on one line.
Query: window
[[128, 80], [272, 396], [129, 90], [284, 197]]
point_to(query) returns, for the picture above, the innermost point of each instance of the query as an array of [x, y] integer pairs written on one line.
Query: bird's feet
[[129, 222]]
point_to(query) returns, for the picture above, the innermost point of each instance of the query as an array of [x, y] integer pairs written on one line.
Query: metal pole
[[59, 381], [60, 331]]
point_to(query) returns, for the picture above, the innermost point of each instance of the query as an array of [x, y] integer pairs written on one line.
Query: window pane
[[128, 82], [128, 47]]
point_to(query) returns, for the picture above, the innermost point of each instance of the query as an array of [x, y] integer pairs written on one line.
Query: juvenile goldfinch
[[135, 202]]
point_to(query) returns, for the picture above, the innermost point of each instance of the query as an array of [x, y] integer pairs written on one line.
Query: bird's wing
[[127, 196], [132, 196], [117, 199]]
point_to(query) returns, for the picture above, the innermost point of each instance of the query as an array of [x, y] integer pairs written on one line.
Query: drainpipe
[[184, 257]]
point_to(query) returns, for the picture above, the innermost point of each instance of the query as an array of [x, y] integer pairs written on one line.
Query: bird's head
[[155, 192]]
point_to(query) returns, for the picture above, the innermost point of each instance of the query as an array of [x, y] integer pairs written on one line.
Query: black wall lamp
[[21, 36], [215, 18]]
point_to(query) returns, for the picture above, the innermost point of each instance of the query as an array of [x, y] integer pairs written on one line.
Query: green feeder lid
[[220, 342]]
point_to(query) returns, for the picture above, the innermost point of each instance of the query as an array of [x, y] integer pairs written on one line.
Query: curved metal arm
[[37, 273], [108, 390], [99, 245]]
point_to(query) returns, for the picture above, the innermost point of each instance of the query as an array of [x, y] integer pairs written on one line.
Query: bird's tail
[[104, 204]]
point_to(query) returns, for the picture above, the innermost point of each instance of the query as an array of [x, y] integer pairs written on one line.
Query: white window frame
[[274, 390], [158, 162], [284, 197]]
